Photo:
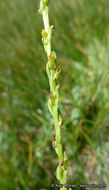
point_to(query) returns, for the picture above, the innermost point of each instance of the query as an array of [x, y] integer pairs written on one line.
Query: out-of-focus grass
[[81, 40]]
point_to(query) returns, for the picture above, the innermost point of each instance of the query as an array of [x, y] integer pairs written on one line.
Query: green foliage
[[81, 40]]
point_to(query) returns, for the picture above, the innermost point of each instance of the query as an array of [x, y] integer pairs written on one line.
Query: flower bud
[[44, 33], [51, 95], [53, 138], [53, 141], [52, 56], [52, 65], [63, 165], [60, 121], [39, 11], [52, 98], [53, 27], [62, 127], [51, 59], [57, 86], [58, 71], [45, 41], [46, 2]]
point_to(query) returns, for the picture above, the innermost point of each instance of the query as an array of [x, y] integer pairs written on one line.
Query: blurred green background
[[81, 41]]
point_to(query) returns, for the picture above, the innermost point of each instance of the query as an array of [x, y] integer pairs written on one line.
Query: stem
[[53, 102]]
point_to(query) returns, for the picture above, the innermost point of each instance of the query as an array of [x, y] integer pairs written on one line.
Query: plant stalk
[[53, 102]]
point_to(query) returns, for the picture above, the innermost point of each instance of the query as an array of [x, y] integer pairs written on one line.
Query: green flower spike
[[53, 102]]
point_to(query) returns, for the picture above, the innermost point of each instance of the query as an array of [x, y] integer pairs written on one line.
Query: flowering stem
[[53, 102]]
